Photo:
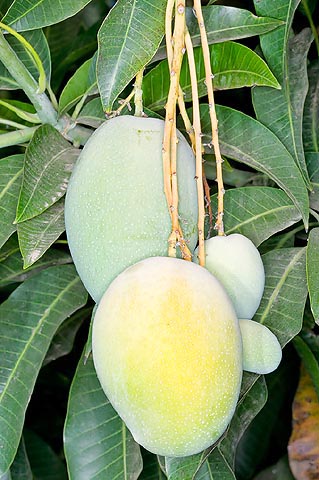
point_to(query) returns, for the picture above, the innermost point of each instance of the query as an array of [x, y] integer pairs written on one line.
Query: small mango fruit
[[116, 211], [237, 264], [168, 353], [261, 349]]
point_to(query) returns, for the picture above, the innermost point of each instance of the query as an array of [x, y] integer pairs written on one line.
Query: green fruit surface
[[116, 211], [237, 264], [168, 353], [261, 349]]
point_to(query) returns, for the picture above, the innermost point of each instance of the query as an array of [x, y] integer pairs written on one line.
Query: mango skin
[[167, 351], [116, 211], [261, 350], [237, 264]]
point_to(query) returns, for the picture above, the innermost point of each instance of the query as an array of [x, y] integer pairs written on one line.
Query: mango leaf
[[185, 468], [38, 41], [21, 469], [4, 5], [11, 262], [309, 361], [215, 468], [6, 113], [275, 43], [257, 212], [63, 340], [253, 398], [11, 169], [127, 39], [97, 443], [303, 447], [313, 271], [79, 86], [282, 306], [233, 64], [151, 468], [28, 320], [312, 159], [45, 463], [49, 160], [224, 23], [282, 111], [32, 14], [311, 110], [37, 234], [248, 141]]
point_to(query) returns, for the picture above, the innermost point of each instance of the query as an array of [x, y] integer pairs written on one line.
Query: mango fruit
[[261, 349], [168, 353], [116, 211], [237, 264]]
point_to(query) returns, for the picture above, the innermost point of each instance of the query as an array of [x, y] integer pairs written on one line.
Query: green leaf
[[63, 340], [151, 468], [311, 110], [79, 86], [11, 262], [37, 234], [12, 115], [127, 39], [31, 14], [246, 140], [11, 169], [184, 468], [4, 5], [312, 159], [233, 64], [37, 39], [49, 160], [313, 271], [223, 24], [282, 111], [309, 361], [275, 43], [282, 306], [45, 463], [97, 443], [253, 398], [28, 321], [257, 212], [21, 469]]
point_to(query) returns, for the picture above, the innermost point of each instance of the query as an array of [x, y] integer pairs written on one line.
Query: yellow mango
[[168, 353]]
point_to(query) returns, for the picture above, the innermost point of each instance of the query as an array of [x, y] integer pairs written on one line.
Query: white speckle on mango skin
[[167, 350], [115, 210]]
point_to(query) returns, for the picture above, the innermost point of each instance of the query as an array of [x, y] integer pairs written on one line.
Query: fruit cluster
[[168, 347]]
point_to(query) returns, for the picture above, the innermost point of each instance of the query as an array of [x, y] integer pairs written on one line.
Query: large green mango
[[116, 211]]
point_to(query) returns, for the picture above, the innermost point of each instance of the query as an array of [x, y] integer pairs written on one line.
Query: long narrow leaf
[[97, 443], [313, 271], [11, 169], [28, 321], [248, 141], [31, 14], [128, 39]]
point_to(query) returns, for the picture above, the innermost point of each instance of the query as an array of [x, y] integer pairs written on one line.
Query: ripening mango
[[237, 264], [168, 353], [116, 211]]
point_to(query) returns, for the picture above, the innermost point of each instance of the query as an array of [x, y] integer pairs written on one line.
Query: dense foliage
[[73, 64]]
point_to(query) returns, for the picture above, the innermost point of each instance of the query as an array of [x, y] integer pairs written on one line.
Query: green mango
[[116, 211]]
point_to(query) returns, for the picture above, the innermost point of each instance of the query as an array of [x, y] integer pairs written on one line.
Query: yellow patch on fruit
[[168, 353]]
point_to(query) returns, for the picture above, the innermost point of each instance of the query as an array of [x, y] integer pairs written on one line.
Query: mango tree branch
[[17, 137], [20, 73], [219, 226]]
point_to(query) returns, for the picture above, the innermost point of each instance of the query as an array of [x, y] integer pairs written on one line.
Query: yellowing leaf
[[303, 448]]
